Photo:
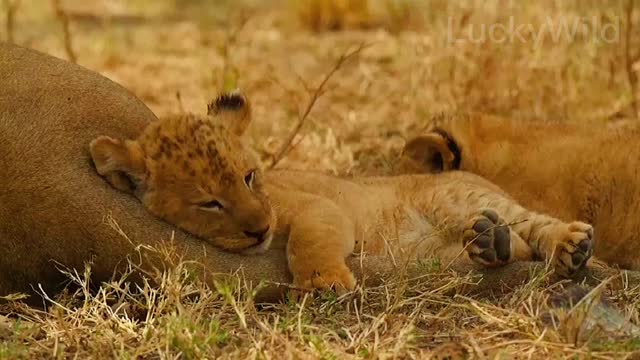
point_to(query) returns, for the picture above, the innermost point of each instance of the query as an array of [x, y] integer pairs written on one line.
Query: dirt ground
[[553, 61]]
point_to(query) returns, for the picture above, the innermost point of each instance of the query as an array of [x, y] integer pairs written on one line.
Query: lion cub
[[195, 172]]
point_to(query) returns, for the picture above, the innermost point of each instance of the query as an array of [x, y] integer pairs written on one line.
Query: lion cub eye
[[214, 205], [249, 178]]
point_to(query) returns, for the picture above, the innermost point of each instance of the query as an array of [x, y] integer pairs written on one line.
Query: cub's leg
[[321, 236], [490, 241]]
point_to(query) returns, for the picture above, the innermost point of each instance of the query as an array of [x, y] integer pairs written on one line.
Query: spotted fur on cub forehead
[[190, 147]]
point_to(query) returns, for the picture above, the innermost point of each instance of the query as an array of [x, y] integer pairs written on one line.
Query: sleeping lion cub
[[195, 172]]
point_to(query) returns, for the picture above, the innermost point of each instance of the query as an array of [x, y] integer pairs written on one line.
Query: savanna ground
[[176, 54]]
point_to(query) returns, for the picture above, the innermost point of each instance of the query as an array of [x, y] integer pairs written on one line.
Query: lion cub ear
[[433, 152], [121, 163], [233, 110]]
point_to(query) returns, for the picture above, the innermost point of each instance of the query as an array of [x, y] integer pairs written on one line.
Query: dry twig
[[630, 57], [315, 95], [66, 31], [179, 100], [10, 7], [229, 72]]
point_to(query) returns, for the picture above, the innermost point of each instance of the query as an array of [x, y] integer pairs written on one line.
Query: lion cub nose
[[258, 235]]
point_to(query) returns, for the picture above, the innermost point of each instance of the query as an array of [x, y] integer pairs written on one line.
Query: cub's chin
[[243, 245], [260, 247]]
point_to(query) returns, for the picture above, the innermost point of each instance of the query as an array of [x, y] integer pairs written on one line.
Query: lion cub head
[[196, 173]]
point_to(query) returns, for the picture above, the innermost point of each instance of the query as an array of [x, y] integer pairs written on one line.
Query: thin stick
[[179, 99], [317, 93], [66, 31], [10, 6], [631, 59], [464, 248], [229, 72]]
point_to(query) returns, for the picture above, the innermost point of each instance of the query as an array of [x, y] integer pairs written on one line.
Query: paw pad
[[488, 239], [574, 248]]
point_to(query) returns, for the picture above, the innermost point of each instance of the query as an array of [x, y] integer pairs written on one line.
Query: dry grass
[[162, 48], [404, 318]]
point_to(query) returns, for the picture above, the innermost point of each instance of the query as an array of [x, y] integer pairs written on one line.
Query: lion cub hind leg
[[489, 240], [320, 239]]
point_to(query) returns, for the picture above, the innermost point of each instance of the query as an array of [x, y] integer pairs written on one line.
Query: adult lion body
[[570, 171]]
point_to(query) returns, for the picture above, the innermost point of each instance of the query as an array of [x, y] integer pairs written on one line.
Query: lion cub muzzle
[[263, 242], [260, 235]]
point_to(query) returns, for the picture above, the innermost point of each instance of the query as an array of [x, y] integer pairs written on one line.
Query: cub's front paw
[[487, 239], [573, 248], [338, 278]]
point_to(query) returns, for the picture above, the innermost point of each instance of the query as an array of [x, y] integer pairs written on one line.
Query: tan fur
[[323, 219], [571, 171]]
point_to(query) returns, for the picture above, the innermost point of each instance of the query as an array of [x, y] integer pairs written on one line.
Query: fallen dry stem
[[66, 30], [229, 72], [10, 7], [315, 95], [179, 100], [464, 248], [630, 57]]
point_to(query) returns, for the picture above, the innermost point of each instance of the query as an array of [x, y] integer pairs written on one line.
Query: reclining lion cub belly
[[195, 172], [567, 170]]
